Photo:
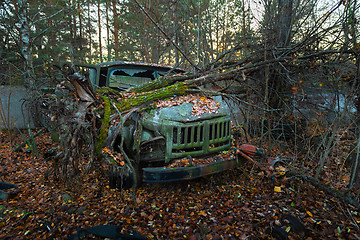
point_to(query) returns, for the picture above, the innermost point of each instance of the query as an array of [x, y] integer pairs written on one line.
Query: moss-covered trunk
[[158, 83], [148, 97]]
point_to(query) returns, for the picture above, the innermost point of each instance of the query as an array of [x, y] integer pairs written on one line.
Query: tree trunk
[[107, 5], [285, 22], [25, 45], [116, 30], [99, 29], [26, 52], [80, 42], [175, 30], [277, 34], [89, 26], [74, 36]]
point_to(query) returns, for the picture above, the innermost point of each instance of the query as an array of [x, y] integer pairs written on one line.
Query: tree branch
[[327, 189], [167, 37]]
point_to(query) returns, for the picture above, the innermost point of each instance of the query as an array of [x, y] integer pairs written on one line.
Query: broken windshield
[[124, 78]]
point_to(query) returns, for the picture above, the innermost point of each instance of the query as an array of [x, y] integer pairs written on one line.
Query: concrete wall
[[18, 113]]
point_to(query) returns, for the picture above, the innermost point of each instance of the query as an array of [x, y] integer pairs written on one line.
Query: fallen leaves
[[309, 213], [277, 189], [235, 204], [201, 104], [116, 157]]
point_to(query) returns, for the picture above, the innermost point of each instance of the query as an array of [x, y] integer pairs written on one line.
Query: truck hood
[[182, 113]]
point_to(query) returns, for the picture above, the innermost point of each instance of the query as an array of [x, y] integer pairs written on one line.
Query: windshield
[[124, 78]]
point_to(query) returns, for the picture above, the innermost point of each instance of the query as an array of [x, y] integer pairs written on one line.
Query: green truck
[[168, 133]]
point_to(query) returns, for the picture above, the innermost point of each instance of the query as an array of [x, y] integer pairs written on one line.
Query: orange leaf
[[202, 213], [309, 213], [294, 90]]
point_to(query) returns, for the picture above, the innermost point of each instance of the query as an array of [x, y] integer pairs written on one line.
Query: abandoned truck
[[168, 133]]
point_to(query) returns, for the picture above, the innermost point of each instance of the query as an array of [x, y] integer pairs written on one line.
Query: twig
[[316, 183], [26, 140], [168, 38]]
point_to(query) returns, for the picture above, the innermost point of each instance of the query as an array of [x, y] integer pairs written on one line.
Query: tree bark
[[116, 29], [25, 46], [285, 22], [175, 30], [99, 29], [107, 5], [89, 26]]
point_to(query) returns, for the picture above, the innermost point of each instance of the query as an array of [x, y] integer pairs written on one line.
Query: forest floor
[[243, 203]]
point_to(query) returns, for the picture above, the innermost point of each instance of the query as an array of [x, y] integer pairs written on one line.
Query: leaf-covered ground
[[238, 204]]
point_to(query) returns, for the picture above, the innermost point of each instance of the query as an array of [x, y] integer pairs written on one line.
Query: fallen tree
[[82, 118]]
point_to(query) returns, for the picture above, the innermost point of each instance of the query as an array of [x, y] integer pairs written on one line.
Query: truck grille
[[188, 135], [200, 138]]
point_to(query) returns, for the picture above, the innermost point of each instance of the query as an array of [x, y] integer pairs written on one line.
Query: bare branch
[[168, 38]]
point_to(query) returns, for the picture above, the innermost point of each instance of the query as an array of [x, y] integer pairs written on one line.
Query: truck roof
[[127, 63]]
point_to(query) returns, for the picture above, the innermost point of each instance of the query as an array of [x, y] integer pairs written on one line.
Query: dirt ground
[[244, 203]]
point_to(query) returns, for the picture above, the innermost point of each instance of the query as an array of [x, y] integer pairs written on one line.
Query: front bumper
[[163, 174]]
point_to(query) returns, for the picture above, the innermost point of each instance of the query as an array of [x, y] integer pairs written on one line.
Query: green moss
[[162, 93], [158, 83], [105, 122], [155, 84], [106, 91]]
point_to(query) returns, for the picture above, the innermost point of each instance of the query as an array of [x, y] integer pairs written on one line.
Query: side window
[[92, 75], [89, 73]]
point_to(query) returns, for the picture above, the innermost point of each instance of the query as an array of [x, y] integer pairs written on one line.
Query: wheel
[[124, 178]]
